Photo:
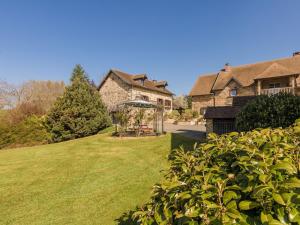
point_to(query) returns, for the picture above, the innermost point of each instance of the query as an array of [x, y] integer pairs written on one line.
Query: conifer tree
[[79, 112]]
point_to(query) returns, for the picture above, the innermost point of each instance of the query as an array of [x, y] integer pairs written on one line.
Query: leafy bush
[[123, 117], [279, 110], [238, 178], [195, 114], [187, 115], [174, 115], [31, 131], [79, 112]]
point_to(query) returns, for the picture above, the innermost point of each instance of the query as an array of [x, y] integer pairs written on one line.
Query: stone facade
[[201, 102], [209, 126], [152, 96], [223, 98], [220, 97], [114, 91]]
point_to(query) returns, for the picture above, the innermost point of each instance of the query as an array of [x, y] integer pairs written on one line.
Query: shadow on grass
[[177, 141]]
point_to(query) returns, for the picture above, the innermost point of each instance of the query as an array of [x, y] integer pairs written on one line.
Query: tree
[[79, 112], [279, 110], [7, 94], [180, 102], [189, 101], [41, 94]]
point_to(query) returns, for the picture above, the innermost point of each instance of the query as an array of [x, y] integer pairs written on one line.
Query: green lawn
[[92, 180]]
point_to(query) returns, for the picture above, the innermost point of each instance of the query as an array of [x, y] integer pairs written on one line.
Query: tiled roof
[[203, 85], [131, 80], [275, 70], [246, 75]]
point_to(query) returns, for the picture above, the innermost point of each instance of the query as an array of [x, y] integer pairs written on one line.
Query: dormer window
[[160, 84], [233, 92], [141, 81], [140, 78]]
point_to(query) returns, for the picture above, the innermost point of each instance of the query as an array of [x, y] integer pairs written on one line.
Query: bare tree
[[8, 94], [40, 93], [180, 102]]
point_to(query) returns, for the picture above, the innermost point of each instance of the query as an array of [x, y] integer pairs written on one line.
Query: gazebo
[[142, 129]]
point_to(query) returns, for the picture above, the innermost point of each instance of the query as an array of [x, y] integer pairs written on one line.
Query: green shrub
[[31, 131], [123, 117], [238, 178], [174, 115], [195, 114], [187, 115], [279, 110], [79, 112]]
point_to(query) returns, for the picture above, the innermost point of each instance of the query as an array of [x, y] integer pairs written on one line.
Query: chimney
[[227, 67], [296, 54]]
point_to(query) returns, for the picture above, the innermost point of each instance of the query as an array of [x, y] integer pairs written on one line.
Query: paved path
[[191, 131]]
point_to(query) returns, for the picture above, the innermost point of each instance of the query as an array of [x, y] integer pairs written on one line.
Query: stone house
[[118, 86], [219, 89]]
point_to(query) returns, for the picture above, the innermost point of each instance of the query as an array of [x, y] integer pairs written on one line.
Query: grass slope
[[92, 180]]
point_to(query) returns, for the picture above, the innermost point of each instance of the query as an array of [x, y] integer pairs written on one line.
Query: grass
[[92, 180]]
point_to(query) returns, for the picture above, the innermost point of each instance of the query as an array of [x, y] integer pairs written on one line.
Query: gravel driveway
[[190, 131]]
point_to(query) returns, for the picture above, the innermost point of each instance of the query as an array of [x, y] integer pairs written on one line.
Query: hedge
[[238, 178]]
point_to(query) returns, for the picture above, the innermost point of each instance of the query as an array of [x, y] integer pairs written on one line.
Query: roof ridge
[[248, 64], [261, 62], [120, 71], [208, 75]]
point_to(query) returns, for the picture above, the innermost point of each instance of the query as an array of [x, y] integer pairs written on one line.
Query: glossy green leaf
[[293, 183], [278, 198], [247, 205], [229, 195], [285, 166], [294, 215]]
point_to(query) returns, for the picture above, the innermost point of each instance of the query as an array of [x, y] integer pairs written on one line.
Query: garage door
[[222, 126]]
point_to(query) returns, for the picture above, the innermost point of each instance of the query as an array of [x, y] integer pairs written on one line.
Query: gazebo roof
[[139, 104]]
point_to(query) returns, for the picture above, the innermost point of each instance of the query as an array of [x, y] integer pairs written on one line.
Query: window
[[142, 82], [160, 101], [167, 104], [233, 92], [145, 98], [274, 85]]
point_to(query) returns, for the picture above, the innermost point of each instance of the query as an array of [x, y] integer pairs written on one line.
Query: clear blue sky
[[174, 40]]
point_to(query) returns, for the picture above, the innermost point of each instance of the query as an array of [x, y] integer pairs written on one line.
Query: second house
[[118, 86]]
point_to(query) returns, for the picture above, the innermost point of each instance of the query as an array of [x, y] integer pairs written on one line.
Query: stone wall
[[114, 91], [209, 126], [202, 101], [152, 95], [222, 97]]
